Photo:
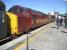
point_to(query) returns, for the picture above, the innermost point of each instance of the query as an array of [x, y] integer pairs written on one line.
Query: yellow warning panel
[[13, 22]]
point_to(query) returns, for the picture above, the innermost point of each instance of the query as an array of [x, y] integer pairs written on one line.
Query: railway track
[[3, 41]]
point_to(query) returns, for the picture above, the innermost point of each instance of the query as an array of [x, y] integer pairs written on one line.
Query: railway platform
[[48, 37]]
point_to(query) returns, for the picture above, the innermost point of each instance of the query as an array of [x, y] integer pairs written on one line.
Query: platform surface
[[48, 37]]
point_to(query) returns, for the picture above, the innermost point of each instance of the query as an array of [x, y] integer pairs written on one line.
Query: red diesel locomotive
[[28, 19]]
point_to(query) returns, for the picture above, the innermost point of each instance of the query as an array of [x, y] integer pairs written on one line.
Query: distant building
[[56, 13], [51, 13]]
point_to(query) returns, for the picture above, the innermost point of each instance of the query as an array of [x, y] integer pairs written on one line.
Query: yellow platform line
[[25, 43], [30, 40]]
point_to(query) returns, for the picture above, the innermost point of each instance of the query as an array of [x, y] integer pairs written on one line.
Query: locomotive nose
[[13, 23]]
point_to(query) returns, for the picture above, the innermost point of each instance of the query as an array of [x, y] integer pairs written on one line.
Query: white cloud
[[65, 0]]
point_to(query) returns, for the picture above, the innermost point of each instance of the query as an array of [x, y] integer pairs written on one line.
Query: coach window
[[1, 16], [33, 17]]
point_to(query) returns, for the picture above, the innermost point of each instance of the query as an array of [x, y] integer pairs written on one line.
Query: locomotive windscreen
[[16, 9]]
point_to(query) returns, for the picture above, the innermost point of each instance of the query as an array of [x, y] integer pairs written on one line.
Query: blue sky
[[39, 5]]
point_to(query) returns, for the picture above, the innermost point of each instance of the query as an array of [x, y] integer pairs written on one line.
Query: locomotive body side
[[38, 19], [24, 22]]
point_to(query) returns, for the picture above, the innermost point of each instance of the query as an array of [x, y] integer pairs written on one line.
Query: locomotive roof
[[16, 9], [38, 12], [34, 11], [25, 8]]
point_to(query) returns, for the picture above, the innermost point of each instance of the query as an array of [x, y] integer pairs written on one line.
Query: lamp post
[[27, 41]]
